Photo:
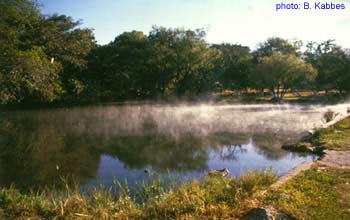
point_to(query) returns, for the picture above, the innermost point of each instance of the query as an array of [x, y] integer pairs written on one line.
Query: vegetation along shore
[[319, 191], [52, 59]]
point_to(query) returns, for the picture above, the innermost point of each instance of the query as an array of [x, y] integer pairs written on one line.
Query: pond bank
[[334, 158], [212, 198], [313, 190]]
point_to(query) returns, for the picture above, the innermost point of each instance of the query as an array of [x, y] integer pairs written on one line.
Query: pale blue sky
[[247, 22]]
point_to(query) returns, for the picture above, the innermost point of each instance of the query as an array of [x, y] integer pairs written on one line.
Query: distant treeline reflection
[[38, 151]]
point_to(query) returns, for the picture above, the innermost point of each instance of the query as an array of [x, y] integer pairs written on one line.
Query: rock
[[266, 213], [258, 214]]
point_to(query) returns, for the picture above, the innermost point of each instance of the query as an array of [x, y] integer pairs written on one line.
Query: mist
[[181, 119]]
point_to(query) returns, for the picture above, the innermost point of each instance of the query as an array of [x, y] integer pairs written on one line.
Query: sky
[[245, 22]]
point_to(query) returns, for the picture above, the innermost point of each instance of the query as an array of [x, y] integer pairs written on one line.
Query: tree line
[[50, 58]]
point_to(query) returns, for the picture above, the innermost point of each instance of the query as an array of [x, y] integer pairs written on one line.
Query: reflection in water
[[93, 144], [34, 154]]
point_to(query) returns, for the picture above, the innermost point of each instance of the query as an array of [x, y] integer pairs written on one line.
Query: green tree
[[344, 78], [280, 73], [69, 45], [119, 69], [182, 61], [331, 62], [266, 49], [32, 78], [167, 62], [234, 68], [276, 44], [47, 50]]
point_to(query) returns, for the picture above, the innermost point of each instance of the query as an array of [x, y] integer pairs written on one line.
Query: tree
[[167, 62], [33, 78], [26, 37], [181, 61], [331, 62], [276, 44], [25, 71], [344, 78], [234, 68], [119, 69], [268, 48], [69, 45], [280, 73], [19, 20]]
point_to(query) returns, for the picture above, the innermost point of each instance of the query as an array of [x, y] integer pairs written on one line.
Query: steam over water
[[100, 143], [207, 119]]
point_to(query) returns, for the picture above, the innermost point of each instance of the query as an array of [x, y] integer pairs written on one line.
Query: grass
[[321, 193], [213, 198], [336, 137], [314, 195]]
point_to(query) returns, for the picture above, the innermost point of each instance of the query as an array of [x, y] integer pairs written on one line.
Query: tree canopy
[[233, 70], [167, 62], [280, 73], [332, 63], [50, 58], [40, 55]]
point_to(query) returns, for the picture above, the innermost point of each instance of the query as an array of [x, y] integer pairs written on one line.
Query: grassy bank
[[336, 137], [321, 193], [213, 198], [316, 194]]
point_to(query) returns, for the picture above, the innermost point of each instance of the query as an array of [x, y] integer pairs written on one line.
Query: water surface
[[100, 144]]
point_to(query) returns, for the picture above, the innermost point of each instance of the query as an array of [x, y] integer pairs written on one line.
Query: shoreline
[[326, 156], [311, 190], [258, 194], [216, 99]]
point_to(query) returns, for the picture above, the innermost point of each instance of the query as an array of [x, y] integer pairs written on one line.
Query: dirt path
[[337, 159]]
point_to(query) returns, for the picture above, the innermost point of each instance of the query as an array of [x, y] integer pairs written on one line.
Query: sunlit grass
[[314, 195], [336, 137], [333, 138], [212, 198]]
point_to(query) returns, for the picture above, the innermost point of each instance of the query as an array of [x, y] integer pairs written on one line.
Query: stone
[[266, 213], [258, 214]]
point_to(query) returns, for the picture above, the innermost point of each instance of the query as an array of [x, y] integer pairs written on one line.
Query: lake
[[101, 144]]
